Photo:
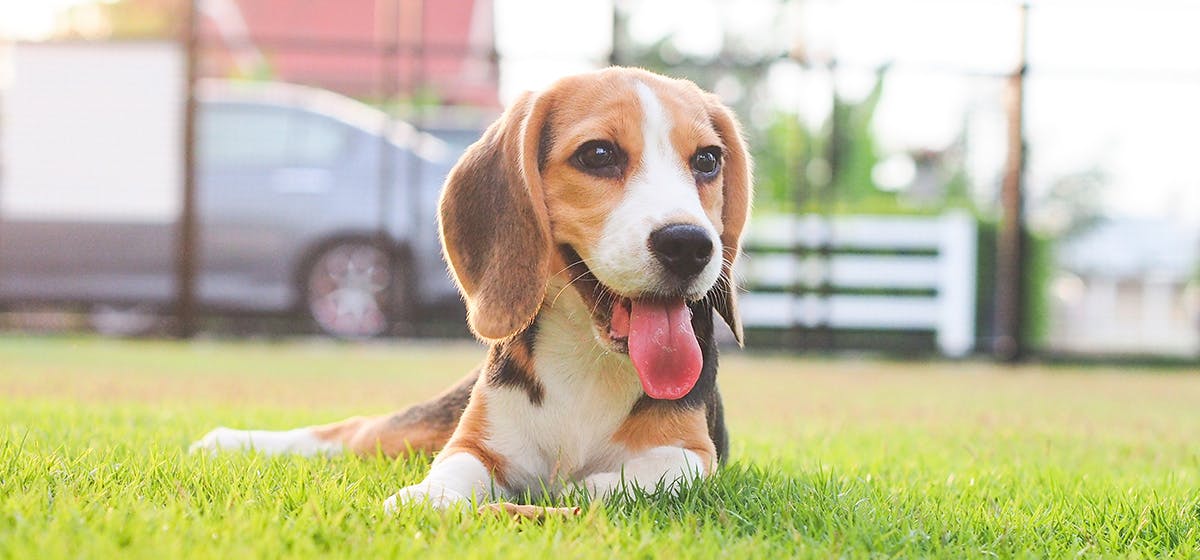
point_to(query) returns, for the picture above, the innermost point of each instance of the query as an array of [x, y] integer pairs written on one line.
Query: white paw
[[602, 485], [425, 494], [222, 438]]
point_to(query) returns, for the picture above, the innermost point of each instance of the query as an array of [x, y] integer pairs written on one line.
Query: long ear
[[494, 228], [735, 209]]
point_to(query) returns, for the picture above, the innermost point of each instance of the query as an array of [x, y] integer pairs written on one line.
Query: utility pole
[[185, 247], [1011, 240], [614, 54]]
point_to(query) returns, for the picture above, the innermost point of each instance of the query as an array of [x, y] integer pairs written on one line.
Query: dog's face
[[632, 177], [631, 187]]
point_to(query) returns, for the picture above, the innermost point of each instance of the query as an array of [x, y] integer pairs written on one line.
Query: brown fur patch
[[424, 427], [494, 228], [736, 177], [663, 424], [365, 436]]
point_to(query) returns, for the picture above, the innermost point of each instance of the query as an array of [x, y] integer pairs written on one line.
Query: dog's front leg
[[453, 479], [668, 466]]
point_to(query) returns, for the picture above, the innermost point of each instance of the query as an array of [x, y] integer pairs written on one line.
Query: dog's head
[[632, 187]]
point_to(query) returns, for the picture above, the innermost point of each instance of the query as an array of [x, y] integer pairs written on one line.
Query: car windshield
[[249, 134]]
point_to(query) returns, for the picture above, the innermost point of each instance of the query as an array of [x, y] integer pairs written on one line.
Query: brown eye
[[706, 163], [599, 157]]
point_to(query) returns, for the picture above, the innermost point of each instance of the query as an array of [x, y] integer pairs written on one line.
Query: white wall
[[92, 131]]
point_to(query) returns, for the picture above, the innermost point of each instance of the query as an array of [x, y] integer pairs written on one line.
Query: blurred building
[[1129, 286]]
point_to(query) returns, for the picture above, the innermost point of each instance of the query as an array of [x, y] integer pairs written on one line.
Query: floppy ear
[[735, 209], [494, 228]]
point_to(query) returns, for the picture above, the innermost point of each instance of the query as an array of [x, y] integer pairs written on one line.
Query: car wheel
[[352, 288]]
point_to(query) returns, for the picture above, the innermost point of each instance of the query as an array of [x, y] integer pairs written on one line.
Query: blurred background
[[954, 178]]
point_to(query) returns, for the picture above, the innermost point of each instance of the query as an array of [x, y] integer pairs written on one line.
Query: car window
[[260, 136], [316, 140], [243, 136]]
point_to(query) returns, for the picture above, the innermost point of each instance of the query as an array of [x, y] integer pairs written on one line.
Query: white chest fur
[[588, 393]]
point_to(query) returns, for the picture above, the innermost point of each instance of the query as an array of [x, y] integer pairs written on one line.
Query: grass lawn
[[830, 458]]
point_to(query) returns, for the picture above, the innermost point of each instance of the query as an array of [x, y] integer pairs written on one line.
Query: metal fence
[[854, 130]]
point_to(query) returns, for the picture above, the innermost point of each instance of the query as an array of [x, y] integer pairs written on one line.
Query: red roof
[[342, 45]]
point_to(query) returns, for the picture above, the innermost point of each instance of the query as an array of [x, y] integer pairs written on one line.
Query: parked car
[[307, 200]]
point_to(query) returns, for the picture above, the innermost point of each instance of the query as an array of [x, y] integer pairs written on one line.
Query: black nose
[[683, 249]]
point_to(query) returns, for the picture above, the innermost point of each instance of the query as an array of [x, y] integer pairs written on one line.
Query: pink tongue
[[663, 348]]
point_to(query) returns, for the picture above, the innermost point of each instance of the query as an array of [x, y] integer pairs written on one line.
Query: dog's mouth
[[654, 330]]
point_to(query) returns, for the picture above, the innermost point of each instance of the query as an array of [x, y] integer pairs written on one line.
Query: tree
[[851, 148]]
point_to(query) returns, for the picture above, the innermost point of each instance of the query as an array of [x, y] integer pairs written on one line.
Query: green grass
[[831, 458]]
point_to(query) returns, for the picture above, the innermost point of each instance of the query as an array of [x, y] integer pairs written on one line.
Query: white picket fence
[[944, 264]]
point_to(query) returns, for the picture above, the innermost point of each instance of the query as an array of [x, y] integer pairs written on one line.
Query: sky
[[1113, 84], [30, 19]]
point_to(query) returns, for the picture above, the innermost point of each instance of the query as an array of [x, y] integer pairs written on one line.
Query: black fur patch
[[529, 337], [508, 364], [545, 142]]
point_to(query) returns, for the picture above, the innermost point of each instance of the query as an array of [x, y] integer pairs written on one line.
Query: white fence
[[872, 255]]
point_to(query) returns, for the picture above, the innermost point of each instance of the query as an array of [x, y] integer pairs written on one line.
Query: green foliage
[[820, 170], [831, 459], [830, 169], [958, 189], [782, 153], [851, 150]]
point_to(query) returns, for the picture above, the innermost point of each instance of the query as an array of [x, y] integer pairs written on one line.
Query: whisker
[[564, 288], [565, 268]]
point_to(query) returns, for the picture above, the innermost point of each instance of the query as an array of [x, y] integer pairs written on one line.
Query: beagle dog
[[592, 231]]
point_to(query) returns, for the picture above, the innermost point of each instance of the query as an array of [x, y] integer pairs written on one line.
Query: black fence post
[[185, 252], [417, 87], [618, 34]]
